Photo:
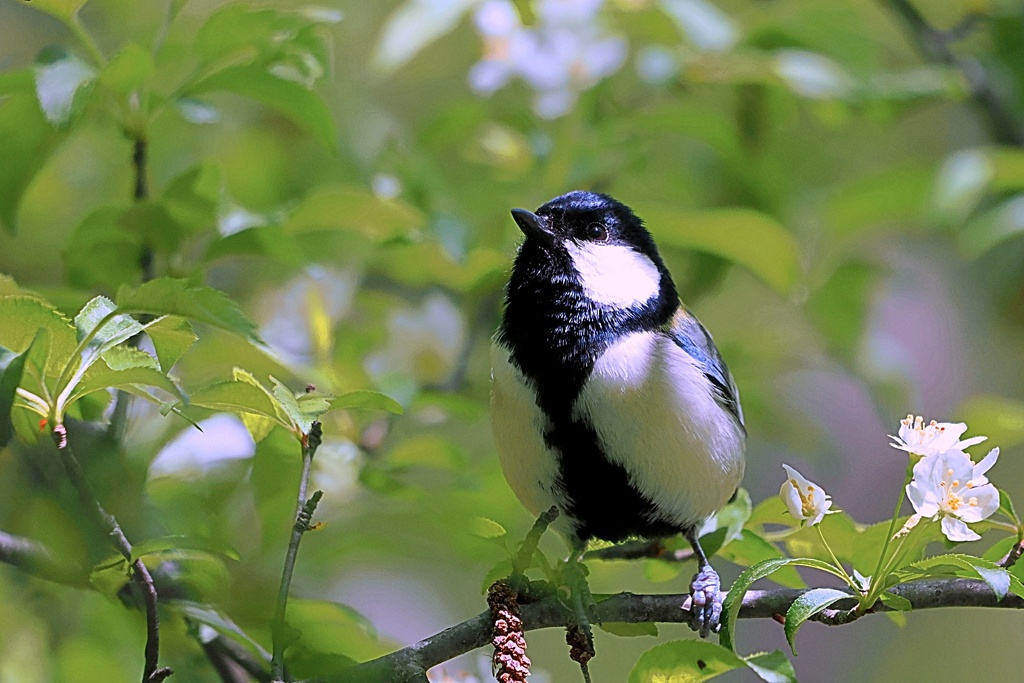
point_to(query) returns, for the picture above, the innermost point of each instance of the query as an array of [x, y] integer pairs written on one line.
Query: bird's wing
[[693, 338]]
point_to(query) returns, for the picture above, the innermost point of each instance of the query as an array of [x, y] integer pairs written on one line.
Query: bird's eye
[[595, 232]]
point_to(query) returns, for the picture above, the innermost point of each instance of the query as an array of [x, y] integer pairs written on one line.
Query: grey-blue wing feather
[[694, 339]]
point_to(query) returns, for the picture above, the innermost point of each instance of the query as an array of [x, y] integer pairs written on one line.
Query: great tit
[[609, 399]]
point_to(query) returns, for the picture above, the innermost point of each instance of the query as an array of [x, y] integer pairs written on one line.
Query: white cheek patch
[[614, 274]]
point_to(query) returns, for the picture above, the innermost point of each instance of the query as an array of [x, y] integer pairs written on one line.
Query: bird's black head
[[582, 217]]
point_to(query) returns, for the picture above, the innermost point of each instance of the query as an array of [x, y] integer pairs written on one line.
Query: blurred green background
[[837, 189]]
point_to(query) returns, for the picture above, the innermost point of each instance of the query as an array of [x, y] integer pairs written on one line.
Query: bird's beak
[[533, 225]]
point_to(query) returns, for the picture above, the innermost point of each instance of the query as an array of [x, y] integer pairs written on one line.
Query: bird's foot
[[706, 601]]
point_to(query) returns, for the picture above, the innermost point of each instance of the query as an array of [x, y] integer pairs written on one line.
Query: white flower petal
[[956, 530], [924, 504], [984, 466], [979, 503], [791, 498]]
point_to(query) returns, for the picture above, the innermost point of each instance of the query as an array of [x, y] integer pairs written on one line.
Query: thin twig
[[107, 522], [1006, 125], [304, 510], [640, 550], [36, 559], [1011, 557]]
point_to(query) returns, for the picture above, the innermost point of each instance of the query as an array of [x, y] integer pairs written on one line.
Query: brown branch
[[108, 523], [409, 663], [303, 516], [934, 44]]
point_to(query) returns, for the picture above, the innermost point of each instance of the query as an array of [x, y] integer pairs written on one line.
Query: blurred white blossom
[[951, 487], [804, 499], [565, 53], [423, 346], [932, 439]]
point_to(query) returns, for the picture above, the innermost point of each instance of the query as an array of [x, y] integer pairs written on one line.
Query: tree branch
[[303, 516], [409, 663], [107, 522], [934, 44], [36, 559]]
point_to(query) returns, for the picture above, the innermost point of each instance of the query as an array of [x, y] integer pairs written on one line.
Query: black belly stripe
[[599, 494]]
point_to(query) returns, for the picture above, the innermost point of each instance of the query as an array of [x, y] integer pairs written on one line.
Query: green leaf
[[302, 410], [172, 337], [102, 253], [486, 528], [685, 661], [1006, 506], [498, 571], [749, 549], [8, 286], [304, 107], [193, 199], [117, 327], [128, 70], [414, 25], [366, 400], [773, 667], [427, 450], [108, 578], [181, 542], [65, 10], [1000, 417], [100, 376], [270, 241], [215, 619], [237, 28], [236, 396], [332, 628], [997, 578], [26, 138], [167, 296], [771, 510], [629, 630], [22, 316], [63, 85], [743, 236], [354, 209], [806, 606], [998, 550], [11, 368], [734, 599], [896, 602], [661, 571]]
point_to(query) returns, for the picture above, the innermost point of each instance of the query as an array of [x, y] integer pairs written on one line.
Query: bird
[[609, 399]]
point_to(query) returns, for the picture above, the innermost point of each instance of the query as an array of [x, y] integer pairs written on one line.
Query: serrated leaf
[[128, 70], [63, 85], [806, 606], [743, 236], [686, 661], [22, 316], [997, 578], [168, 296], [116, 328], [100, 377], [773, 667], [172, 337], [629, 630], [734, 599], [234, 396], [304, 107], [366, 400]]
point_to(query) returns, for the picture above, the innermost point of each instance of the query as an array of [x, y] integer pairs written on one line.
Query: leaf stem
[[106, 521], [839, 565], [876, 578], [75, 24], [304, 510]]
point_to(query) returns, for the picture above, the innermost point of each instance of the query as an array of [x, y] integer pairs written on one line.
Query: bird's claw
[[706, 603]]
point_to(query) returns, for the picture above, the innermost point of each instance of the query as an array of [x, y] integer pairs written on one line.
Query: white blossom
[[951, 487], [804, 499], [931, 439]]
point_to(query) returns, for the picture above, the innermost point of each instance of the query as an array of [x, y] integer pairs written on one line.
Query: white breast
[[614, 274], [519, 426], [654, 414]]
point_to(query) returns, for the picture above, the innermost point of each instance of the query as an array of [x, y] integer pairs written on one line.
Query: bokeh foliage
[[835, 200]]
